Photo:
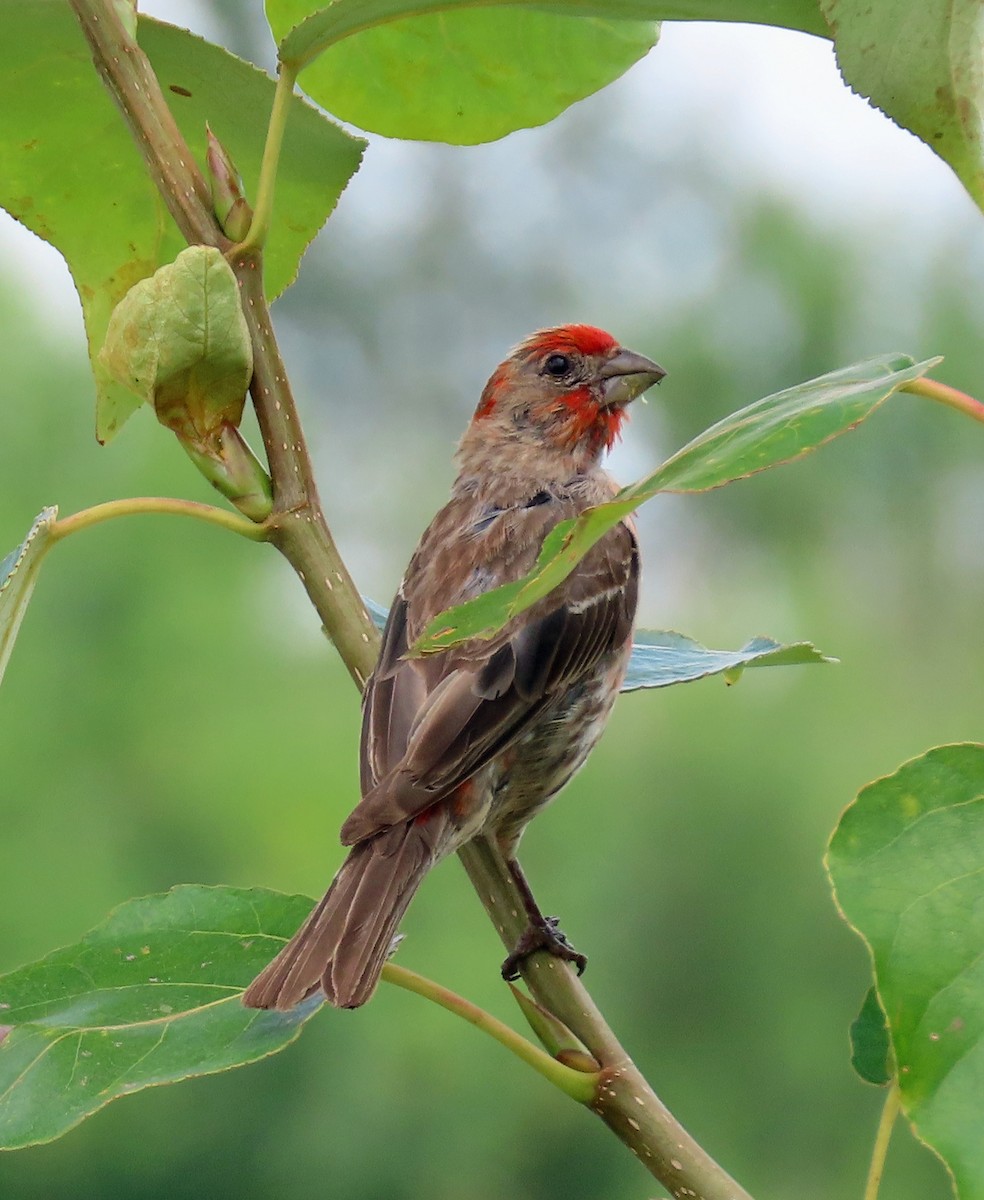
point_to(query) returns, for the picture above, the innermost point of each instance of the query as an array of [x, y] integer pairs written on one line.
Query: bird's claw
[[542, 936]]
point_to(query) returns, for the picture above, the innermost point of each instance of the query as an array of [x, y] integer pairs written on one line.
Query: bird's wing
[[431, 723]]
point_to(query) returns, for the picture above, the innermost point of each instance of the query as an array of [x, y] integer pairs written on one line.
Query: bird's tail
[[342, 946]]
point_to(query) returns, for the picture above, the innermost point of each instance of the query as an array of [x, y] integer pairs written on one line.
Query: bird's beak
[[627, 375]]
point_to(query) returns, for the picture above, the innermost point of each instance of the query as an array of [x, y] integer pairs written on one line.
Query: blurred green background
[[172, 712]]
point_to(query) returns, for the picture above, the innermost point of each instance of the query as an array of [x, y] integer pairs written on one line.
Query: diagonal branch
[[298, 529]]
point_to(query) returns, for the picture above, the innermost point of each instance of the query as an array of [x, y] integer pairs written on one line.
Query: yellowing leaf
[[179, 340]]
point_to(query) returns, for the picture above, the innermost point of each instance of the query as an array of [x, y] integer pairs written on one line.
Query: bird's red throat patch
[[591, 422]]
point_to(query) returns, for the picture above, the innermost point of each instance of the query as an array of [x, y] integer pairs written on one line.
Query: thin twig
[[136, 505], [579, 1085], [879, 1152], [259, 227], [932, 389]]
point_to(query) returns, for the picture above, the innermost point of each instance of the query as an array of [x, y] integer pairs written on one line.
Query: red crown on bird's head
[[585, 339]]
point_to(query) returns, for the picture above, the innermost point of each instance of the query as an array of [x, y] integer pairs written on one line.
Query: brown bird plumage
[[478, 738]]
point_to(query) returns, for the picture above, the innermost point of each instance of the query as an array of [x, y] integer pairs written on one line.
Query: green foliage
[[151, 996], [906, 861], [306, 28], [65, 156], [768, 433], [466, 72], [462, 77]]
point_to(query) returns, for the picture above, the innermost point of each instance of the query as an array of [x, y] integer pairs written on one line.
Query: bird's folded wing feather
[[431, 723]]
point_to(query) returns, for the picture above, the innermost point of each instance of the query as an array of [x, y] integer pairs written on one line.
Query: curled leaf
[[179, 341]]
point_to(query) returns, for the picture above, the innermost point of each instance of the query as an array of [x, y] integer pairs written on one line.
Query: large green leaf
[[467, 76], [922, 63], [772, 431], [313, 27], [907, 863], [70, 171], [18, 574], [467, 71], [151, 996]]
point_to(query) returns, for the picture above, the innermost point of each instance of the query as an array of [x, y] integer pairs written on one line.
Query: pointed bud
[[230, 205]]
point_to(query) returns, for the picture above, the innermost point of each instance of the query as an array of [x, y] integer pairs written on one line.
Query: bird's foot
[[542, 934]]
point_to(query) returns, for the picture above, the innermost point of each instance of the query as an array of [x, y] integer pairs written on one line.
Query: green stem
[[890, 1110], [932, 389], [263, 206], [157, 504], [579, 1085]]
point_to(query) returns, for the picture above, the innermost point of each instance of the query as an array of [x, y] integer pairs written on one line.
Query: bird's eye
[[557, 365]]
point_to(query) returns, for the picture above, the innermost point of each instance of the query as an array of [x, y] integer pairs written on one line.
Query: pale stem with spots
[[623, 1098]]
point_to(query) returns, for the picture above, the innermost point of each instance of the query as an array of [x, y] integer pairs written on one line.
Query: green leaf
[[920, 62], [18, 574], [179, 341], [907, 864], [69, 169], [466, 71], [313, 27], [465, 76], [661, 658], [772, 431], [151, 996], [871, 1048]]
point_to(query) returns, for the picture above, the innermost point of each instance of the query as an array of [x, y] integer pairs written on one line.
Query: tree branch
[[623, 1099]]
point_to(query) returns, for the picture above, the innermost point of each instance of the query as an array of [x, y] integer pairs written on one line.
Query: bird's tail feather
[[342, 946]]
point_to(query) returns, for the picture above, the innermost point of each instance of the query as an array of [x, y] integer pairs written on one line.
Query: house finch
[[477, 738]]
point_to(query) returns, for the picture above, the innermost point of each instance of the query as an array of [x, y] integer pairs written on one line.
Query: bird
[[477, 738]]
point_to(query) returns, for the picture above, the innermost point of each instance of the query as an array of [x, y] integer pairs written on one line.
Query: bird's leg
[[541, 933]]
